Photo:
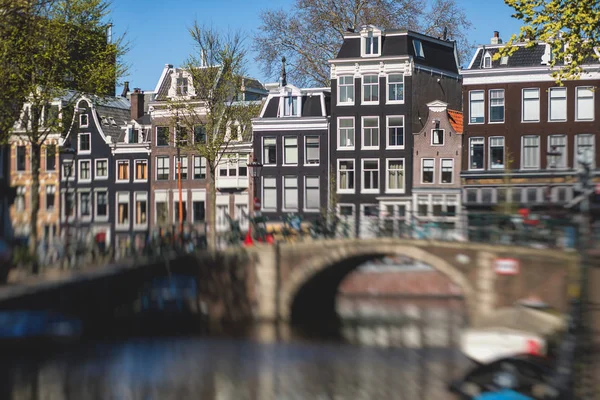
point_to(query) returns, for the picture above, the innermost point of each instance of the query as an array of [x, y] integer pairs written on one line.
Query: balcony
[[232, 182]]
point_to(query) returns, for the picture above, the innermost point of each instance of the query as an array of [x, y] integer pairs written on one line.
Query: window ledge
[[141, 180], [312, 165], [310, 210], [370, 103], [369, 148], [495, 122], [346, 148], [370, 191], [101, 178], [395, 148], [122, 181], [345, 191], [395, 191], [394, 102], [345, 104]]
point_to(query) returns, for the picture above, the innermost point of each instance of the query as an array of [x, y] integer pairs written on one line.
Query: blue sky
[[157, 30]]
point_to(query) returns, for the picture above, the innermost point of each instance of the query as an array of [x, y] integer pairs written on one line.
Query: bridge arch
[[315, 281]]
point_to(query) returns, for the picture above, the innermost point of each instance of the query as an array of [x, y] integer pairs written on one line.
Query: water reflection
[[382, 361]]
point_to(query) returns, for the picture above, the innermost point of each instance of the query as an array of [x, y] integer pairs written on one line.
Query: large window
[[162, 168], [184, 167], [85, 170], [370, 132], [371, 44], [101, 169], [290, 150], [21, 158], [69, 202], [345, 176], [476, 150], [427, 170], [437, 137], [162, 135], [141, 170], [497, 152], [370, 175], [395, 125], [346, 133], [395, 175], [346, 89], [101, 204], [476, 107], [84, 142], [290, 106], [199, 211], [531, 105], [162, 212], [50, 157], [269, 198], [584, 108], [290, 193], [557, 151], [85, 205], [269, 151], [558, 104], [370, 88], [585, 143], [395, 87], [447, 170], [50, 197], [531, 152], [312, 199], [141, 208], [497, 105], [182, 86], [123, 171], [123, 209], [176, 211], [311, 150], [199, 167]]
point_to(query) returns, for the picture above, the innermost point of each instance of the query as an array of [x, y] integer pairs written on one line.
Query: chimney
[[137, 104], [496, 39], [125, 89]]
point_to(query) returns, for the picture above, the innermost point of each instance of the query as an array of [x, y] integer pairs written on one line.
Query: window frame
[[285, 147], [387, 130], [539, 100], [442, 137], [185, 169], [338, 175], [577, 98], [490, 106], [471, 140], [98, 217], [46, 151], [194, 220], [199, 166], [80, 216], [565, 154], [135, 169], [168, 168], [339, 141], [305, 191], [122, 161], [423, 170], [369, 49], [79, 169], [378, 175], [46, 195], [79, 150], [290, 105], [577, 145], [387, 176], [266, 163], [262, 193], [135, 201], [63, 175], [87, 120], [283, 195], [539, 145], [363, 91], [451, 171], [362, 131], [418, 48], [387, 88], [345, 85], [306, 163], [118, 225], [490, 160], [156, 143], [565, 99], [471, 93], [17, 163]]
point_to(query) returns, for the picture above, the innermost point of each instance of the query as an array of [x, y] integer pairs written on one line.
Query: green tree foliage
[[212, 117], [52, 50], [311, 32], [571, 28]]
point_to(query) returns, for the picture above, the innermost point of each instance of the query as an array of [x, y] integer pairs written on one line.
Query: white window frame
[[306, 163], [285, 161], [117, 180], [135, 200], [387, 132], [374, 52], [339, 146], [101, 217], [490, 106], [87, 120], [418, 47], [387, 176], [576, 146], [487, 60], [482, 101], [523, 152], [471, 140], [490, 160], [49, 190], [338, 174], [63, 175], [523, 91], [362, 97], [443, 138], [79, 135], [577, 98], [346, 103], [422, 171], [387, 88], [451, 171], [135, 163], [202, 166], [283, 199], [266, 162], [304, 200], [362, 132], [263, 197], [565, 154], [63, 204], [100, 177], [185, 167], [165, 157], [119, 226], [79, 207], [79, 178], [565, 100], [362, 176], [287, 105], [156, 136]]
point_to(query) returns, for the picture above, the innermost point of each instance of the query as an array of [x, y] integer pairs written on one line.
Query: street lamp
[[255, 169]]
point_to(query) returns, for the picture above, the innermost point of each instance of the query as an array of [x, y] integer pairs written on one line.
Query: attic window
[[104, 120], [418, 48], [182, 86], [504, 60], [371, 44], [112, 121], [487, 60]]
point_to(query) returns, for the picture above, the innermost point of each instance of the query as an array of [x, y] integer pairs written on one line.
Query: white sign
[[507, 266]]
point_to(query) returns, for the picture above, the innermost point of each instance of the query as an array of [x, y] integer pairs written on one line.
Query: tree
[[312, 31], [53, 50], [213, 116], [571, 28]]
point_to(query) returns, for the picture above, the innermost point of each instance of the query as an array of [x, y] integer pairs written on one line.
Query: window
[[558, 104], [228, 167], [371, 44], [21, 158], [101, 169], [370, 132], [447, 170], [141, 170], [395, 175], [290, 192], [51, 158], [242, 165], [370, 89], [476, 107], [182, 86], [85, 204], [437, 137], [131, 135], [162, 168], [176, 211], [84, 142], [395, 131], [83, 121], [199, 133], [162, 135], [312, 195], [531, 152], [497, 105], [531, 105], [532, 195], [427, 168], [269, 151], [418, 46], [584, 107], [395, 87], [290, 150], [557, 151], [123, 171], [290, 106], [222, 214], [162, 212], [181, 136], [497, 152], [345, 175], [123, 209], [198, 209], [487, 60], [370, 174], [199, 167], [102, 204], [423, 205], [141, 208], [269, 198], [585, 144], [311, 150], [69, 201], [183, 165], [346, 133], [50, 197], [346, 89], [85, 173], [67, 170], [476, 153]]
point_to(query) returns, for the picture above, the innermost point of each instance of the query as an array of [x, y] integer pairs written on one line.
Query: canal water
[[392, 348]]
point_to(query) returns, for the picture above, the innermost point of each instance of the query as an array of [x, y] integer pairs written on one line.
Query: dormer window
[[104, 120], [112, 121], [504, 60], [130, 135], [290, 106], [182, 86], [487, 60], [371, 44], [418, 48], [370, 41]]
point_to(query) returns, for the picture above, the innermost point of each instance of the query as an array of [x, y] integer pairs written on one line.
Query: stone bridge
[[299, 282]]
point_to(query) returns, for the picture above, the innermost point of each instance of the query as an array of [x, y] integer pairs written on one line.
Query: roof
[[111, 109], [456, 120]]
